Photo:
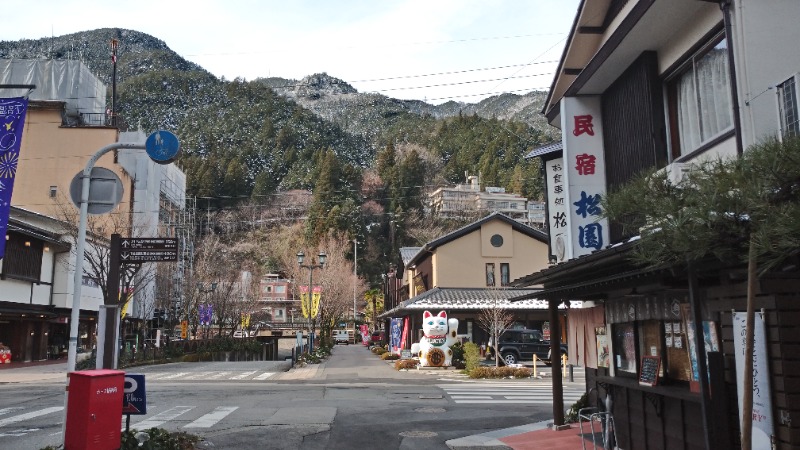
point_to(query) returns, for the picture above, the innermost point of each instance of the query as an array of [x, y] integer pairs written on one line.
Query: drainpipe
[[725, 6]]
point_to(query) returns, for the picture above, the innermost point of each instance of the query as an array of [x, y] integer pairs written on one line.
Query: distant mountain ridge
[[251, 138]]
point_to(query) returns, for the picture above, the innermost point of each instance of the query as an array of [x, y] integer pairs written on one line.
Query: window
[[788, 109], [23, 258], [700, 104], [53, 191], [625, 348], [489, 274], [280, 289], [504, 274]]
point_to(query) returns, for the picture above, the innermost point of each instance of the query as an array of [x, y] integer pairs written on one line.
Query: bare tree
[[495, 319]]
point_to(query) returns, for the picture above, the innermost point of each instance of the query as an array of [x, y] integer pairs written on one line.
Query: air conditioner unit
[[676, 172]]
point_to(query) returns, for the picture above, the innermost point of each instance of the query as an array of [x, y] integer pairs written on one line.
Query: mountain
[[337, 101], [252, 138]]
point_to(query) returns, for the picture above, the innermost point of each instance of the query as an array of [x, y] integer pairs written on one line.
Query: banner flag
[[304, 301], [394, 335], [762, 428], [12, 120], [316, 296]]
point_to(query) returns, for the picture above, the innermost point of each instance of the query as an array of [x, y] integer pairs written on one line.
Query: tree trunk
[[747, 376]]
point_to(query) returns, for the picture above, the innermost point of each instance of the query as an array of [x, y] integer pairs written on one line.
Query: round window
[[496, 240]]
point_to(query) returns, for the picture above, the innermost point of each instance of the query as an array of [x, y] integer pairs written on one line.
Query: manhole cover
[[430, 410], [419, 434]]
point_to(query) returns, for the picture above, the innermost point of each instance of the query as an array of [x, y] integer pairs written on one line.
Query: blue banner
[[395, 333], [12, 120]]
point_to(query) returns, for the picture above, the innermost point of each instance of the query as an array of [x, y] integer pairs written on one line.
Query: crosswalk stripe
[[160, 418], [218, 375], [198, 375], [175, 375], [18, 433], [155, 375], [474, 397], [264, 376], [30, 415], [243, 375], [527, 402], [213, 417], [4, 411]]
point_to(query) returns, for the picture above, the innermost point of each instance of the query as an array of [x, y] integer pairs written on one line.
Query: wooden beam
[[591, 30]]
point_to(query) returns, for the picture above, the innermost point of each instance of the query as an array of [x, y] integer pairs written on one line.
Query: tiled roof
[[473, 299], [407, 253], [545, 149]]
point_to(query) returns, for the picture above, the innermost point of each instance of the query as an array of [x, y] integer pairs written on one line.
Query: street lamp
[[300, 258], [206, 290]]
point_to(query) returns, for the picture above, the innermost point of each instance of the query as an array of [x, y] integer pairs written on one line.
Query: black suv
[[521, 345]]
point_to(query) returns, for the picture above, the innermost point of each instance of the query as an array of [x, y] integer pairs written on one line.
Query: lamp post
[[206, 290], [311, 266]]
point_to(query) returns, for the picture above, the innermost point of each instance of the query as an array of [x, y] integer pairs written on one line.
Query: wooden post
[[555, 364]]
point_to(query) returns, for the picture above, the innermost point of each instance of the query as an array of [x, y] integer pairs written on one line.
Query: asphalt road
[[354, 400]]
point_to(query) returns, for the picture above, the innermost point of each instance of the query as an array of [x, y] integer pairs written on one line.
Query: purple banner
[[12, 120]]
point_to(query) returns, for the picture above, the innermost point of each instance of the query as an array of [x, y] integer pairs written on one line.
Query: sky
[[431, 50]]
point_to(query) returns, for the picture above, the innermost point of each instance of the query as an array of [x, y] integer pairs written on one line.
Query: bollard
[[571, 374], [564, 365], [534, 366]]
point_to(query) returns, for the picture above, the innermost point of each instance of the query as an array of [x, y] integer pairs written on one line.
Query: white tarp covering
[[69, 81]]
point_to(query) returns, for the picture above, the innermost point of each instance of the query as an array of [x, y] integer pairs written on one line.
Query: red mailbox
[[94, 410]]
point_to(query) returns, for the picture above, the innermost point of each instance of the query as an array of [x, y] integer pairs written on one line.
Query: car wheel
[[510, 358]]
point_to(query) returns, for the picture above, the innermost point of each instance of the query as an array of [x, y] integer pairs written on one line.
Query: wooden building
[[665, 84]]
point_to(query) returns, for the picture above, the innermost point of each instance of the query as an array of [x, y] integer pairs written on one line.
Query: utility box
[[94, 410]]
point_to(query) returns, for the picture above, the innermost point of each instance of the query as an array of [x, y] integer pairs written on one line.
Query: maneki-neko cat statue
[[440, 334]]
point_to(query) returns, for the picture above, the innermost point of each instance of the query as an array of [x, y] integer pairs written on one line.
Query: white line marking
[[218, 375], [30, 415], [212, 418], [467, 397], [9, 410], [160, 418], [18, 433], [243, 375], [264, 376], [198, 375], [174, 375], [504, 402]]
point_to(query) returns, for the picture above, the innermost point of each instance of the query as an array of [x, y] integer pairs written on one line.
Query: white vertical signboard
[[762, 392], [584, 161], [557, 210]]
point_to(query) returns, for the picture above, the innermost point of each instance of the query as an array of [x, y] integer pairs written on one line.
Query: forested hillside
[[245, 140]]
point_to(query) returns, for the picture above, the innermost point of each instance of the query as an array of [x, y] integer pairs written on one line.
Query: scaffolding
[[177, 220]]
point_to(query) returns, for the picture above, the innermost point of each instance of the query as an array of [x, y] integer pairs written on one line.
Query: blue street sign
[[134, 398], [162, 147]]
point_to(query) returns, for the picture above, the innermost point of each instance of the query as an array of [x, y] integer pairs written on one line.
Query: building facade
[[665, 84]]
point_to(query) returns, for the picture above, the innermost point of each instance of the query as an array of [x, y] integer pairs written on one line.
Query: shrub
[[572, 412], [389, 356], [472, 356], [405, 364], [458, 354], [379, 350], [499, 372], [157, 439]]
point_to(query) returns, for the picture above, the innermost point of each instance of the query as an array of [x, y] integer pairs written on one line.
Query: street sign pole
[[105, 356], [80, 248]]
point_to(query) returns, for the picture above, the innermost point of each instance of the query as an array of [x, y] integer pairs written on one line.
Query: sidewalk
[[34, 372], [535, 436]]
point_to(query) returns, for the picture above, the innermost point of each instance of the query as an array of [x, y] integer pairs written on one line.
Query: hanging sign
[[12, 120]]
